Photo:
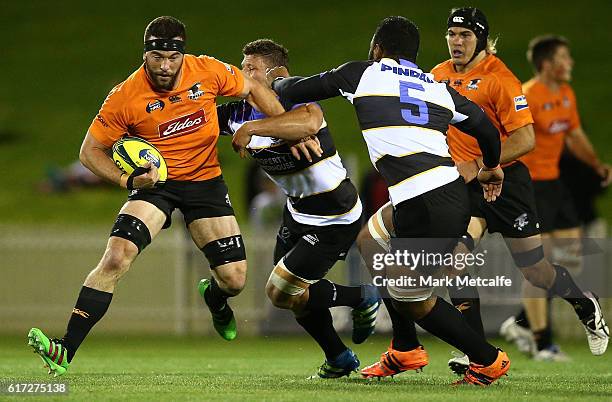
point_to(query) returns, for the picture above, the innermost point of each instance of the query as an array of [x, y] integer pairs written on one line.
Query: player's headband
[[472, 19], [165, 45]]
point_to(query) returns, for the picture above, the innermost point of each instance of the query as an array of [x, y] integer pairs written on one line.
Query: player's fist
[[241, 139], [143, 177]]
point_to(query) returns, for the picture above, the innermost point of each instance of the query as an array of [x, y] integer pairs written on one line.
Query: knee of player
[[540, 275], [233, 283], [118, 258], [283, 289], [277, 297]]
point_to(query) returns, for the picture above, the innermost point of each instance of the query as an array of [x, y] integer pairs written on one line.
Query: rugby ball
[[132, 152]]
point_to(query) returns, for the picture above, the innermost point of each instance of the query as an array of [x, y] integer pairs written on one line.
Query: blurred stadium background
[[61, 59]]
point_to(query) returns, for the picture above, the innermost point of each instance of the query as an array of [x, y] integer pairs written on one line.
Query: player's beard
[[158, 83]]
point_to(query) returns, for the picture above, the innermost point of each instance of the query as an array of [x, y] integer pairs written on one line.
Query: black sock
[[543, 338], [91, 305], [467, 300], [565, 287], [318, 323], [448, 324], [215, 297], [404, 332], [325, 294], [522, 320]]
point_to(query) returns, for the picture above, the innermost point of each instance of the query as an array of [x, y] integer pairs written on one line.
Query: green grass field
[[179, 369]]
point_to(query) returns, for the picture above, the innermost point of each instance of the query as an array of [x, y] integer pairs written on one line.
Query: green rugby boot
[[223, 320], [53, 354], [343, 365], [364, 315]]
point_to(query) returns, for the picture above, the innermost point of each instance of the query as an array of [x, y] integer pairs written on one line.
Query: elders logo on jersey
[[520, 103], [558, 126], [182, 125]]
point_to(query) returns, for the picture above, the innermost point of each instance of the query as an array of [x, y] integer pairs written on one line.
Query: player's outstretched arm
[[264, 99], [293, 125], [470, 119], [94, 156]]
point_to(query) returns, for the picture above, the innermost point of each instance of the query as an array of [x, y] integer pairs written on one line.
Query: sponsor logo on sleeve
[[157, 104], [102, 121], [520, 103], [182, 125]]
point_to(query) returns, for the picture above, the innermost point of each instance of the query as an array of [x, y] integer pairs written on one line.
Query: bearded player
[[170, 102]]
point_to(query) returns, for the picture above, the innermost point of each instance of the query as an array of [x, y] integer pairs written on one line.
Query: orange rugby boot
[[393, 362], [486, 375]]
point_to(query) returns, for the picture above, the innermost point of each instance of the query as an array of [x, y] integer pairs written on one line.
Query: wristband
[[137, 172], [484, 167], [122, 181]]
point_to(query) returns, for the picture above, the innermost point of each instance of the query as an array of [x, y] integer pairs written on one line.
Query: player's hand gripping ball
[[130, 153]]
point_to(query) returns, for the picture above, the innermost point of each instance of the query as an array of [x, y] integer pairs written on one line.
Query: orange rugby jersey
[[493, 87], [181, 124], [555, 114]]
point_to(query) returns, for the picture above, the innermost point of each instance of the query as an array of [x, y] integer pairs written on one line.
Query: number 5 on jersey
[[422, 117]]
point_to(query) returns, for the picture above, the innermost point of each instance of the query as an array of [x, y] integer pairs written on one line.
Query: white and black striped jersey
[[404, 115], [319, 192]]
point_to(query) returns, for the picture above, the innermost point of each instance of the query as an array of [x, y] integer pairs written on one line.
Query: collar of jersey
[[402, 62]]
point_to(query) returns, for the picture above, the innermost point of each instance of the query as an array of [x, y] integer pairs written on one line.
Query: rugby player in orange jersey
[[476, 73], [555, 113], [170, 102]]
